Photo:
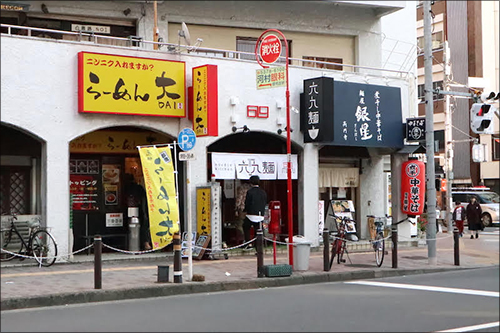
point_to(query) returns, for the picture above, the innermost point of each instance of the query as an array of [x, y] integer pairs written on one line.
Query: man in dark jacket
[[255, 206], [474, 212]]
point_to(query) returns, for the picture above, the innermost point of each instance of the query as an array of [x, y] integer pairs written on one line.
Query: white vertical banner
[[321, 218], [223, 166], [216, 225]]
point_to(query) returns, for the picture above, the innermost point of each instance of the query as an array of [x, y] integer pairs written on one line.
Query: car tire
[[486, 219]]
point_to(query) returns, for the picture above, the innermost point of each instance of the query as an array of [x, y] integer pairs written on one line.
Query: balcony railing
[[140, 43]]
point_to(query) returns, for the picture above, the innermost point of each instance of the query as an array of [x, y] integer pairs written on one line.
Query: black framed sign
[[415, 129], [317, 105], [351, 114], [367, 115]]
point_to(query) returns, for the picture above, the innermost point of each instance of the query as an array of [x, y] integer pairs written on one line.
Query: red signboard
[[203, 106], [270, 49], [412, 187]]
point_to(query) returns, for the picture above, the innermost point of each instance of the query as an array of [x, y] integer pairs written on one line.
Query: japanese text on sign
[[200, 99], [161, 194], [203, 213], [411, 199], [130, 85], [271, 77]]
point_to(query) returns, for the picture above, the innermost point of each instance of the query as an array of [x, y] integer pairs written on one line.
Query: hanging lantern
[[413, 187]]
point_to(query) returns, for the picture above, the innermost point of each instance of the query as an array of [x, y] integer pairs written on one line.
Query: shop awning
[[338, 177]]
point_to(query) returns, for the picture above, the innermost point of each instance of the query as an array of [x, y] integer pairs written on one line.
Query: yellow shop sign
[[129, 85]]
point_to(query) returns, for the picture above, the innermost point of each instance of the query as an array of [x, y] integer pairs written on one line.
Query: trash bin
[[301, 251], [134, 229]]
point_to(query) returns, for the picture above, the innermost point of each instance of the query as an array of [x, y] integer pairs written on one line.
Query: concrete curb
[[170, 289]]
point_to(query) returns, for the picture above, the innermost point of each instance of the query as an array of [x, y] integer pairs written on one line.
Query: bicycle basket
[[33, 223]]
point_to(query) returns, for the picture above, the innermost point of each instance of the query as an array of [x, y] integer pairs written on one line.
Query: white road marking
[[427, 288], [472, 328]]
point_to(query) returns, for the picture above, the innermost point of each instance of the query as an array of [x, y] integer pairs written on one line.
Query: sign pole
[[189, 226], [187, 141], [288, 140]]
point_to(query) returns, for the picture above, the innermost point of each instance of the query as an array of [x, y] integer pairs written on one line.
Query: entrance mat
[[277, 270]]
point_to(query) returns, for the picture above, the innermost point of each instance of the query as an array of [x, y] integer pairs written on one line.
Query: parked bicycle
[[379, 242], [40, 243], [339, 245]]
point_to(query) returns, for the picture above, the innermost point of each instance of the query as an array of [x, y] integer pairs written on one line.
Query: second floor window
[[247, 44], [435, 85], [334, 63], [437, 41]]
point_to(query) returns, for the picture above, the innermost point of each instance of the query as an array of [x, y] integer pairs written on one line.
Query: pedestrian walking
[[255, 206], [474, 212], [458, 216]]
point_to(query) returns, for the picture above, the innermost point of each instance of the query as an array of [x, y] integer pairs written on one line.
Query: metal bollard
[[97, 262], [260, 253], [326, 250], [177, 258], [456, 247], [394, 237]]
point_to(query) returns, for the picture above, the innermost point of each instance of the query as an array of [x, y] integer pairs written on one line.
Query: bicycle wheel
[[341, 250], [334, 251], [44, 248], [11, 241], [379, 249]]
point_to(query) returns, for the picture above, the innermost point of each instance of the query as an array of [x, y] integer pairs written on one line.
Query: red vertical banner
[[413, 187], [204, 100]]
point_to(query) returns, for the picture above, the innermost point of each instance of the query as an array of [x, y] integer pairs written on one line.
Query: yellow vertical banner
[[159, 180], [203, 212]]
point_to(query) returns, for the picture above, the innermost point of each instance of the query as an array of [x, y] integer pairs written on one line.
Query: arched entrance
[[250, 144], [20, 172], [103, 165]]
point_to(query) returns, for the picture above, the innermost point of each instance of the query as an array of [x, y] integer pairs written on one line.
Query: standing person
[[139, 199], [474, 212], [255, 206], [239, 208], [458, 217]]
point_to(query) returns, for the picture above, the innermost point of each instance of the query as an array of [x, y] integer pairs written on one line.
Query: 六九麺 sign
[[129, 85]]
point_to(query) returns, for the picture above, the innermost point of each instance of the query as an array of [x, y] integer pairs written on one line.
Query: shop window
[[15, 190], [495, 143], [333, 63], [247, 44]]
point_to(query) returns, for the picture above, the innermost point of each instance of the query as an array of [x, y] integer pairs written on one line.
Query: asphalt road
[[325, 307]]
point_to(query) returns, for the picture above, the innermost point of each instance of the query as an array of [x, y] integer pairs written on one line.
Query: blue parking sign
[[187, 139]]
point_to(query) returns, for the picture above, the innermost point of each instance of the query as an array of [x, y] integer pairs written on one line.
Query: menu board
[[84, 183], [111, 181]]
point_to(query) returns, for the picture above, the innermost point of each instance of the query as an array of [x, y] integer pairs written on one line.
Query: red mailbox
[[275, 217]]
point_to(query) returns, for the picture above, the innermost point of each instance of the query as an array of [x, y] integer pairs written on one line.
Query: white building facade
[[41, 96]]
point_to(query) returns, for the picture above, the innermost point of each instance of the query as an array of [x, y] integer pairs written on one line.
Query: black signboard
[[317, 110], [351, 114], [367, 115], [415, 129]]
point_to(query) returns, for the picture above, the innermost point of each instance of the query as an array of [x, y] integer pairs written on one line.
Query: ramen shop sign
[[270, 49]]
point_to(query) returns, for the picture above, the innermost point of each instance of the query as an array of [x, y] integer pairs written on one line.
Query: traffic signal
[[481, 118]]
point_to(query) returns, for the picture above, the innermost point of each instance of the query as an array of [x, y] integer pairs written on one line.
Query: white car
[[489, 201]]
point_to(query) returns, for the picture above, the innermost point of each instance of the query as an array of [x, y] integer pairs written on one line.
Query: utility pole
[[429, 138], [448, 152], [155, 27]]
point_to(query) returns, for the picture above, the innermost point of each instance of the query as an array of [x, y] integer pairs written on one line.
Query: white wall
[[39, 88]]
